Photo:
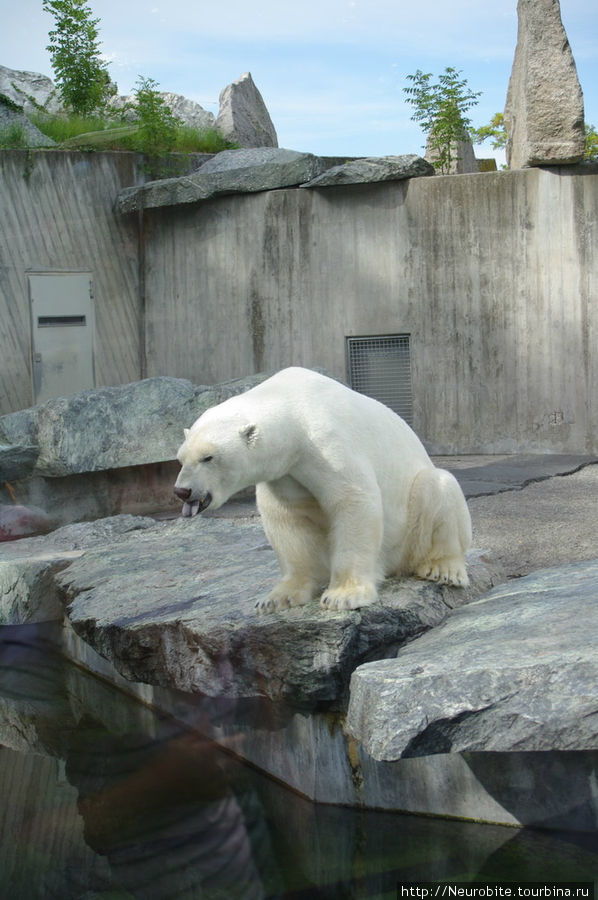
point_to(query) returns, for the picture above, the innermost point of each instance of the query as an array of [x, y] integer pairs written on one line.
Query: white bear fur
[[345, 489]]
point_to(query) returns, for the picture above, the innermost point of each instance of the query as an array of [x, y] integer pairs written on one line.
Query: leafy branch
[[440, 109]]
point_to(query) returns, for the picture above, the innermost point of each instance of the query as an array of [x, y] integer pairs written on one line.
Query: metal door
[[62, 323]]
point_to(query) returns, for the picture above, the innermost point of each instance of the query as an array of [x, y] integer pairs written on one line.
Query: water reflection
[[102, 797]]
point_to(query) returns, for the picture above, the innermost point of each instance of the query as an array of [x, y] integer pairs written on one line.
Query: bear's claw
[[444, 571], [353, 596], [286, 595]]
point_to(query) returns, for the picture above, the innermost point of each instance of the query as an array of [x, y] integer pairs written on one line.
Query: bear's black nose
[[182, 493]]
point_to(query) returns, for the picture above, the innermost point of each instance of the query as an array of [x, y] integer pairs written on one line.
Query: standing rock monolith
[[243, 117], [544, 116]]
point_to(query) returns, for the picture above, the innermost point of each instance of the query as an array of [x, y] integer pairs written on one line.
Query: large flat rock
[[141, 423], [372, 170], [174, 605], [514, 671], [244, 171]]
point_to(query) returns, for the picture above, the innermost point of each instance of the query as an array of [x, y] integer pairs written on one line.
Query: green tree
[[81, 75], [591, 143], [441, 109], [494, 131], [157, 125]]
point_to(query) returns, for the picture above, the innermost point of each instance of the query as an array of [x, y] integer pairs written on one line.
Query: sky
[[331, 72]]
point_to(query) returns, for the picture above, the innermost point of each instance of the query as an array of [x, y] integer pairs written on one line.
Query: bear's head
[[216, 462]]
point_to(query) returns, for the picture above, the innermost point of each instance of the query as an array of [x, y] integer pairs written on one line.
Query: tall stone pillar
[[544, 117]]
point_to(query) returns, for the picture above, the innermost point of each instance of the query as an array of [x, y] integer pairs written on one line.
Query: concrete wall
[[57, 216], [494, 276]]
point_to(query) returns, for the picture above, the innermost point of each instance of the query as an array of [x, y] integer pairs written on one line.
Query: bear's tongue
[[190, 509]]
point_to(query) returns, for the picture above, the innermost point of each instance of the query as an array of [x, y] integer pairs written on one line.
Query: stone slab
[[229, 172], [514, 472], [514, 671], [372, 170], [175, 606]]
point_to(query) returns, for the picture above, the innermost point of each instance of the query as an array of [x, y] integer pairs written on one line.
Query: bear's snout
[[182, 493]]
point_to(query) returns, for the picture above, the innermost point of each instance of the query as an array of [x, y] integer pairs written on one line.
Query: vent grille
[[380, 366]]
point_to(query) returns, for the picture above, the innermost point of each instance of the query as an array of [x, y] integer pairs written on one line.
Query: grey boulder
[[29, 90], [187, 111], [544, 114], [243, 117], [229, 172], [174, 606], [514, 671], [139, 423], [373, 169]]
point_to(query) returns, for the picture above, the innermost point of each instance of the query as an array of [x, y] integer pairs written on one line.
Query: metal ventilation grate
[[380, 366]]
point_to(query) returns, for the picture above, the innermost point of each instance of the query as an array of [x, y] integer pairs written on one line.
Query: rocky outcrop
[[229, 172], [29, 90], [264, 169], [514, 671], [13, 119], [188, 111], [171, 603], [243, 117], [17, 460], [18, 521], [141, 423], [544, 115], [373, 169], [463, 161], [174, 605]]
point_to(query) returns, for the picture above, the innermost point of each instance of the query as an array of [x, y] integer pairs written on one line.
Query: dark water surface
[[103, 799]]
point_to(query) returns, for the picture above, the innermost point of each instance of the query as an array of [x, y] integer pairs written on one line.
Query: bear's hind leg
[[298, 536], [439, 529]]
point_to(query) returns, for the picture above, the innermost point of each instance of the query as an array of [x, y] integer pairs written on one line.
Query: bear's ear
[[186, 432], [249, 433]]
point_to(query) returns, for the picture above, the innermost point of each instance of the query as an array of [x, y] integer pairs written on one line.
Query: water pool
[[102, 798]]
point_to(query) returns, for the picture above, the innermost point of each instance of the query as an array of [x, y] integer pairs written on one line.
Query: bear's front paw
[[351, 595], [287, 593], [444, 571]]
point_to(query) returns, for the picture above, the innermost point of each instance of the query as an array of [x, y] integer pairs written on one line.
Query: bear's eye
[[207, 458]]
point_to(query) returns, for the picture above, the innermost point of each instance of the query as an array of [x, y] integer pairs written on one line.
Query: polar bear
[[345, 489]]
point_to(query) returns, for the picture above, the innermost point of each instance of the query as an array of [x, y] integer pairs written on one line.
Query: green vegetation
[[495, 131], [13, 137], [88, 122], [96, 133], [591, 143], [153, 132], [157, 129], [81, 75], [65, 127], [441, 109]]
